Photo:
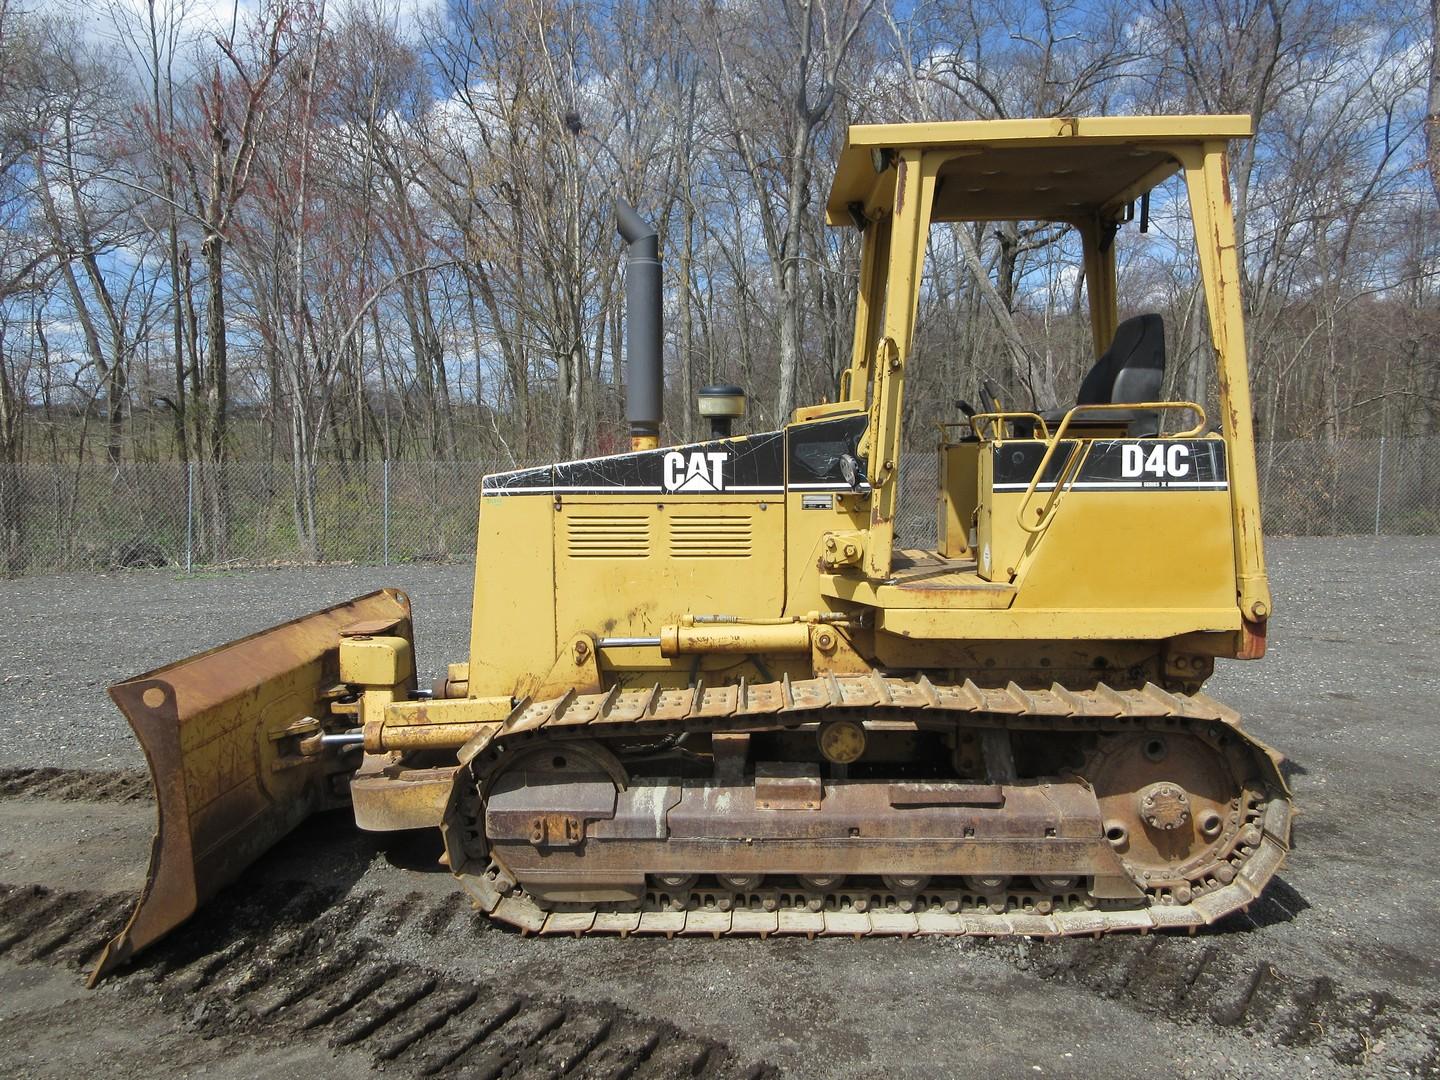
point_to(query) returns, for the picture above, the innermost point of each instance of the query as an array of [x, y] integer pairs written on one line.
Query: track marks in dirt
[[118, 785], [285, 962], [1205, 980], [285, 958], [69, 928]]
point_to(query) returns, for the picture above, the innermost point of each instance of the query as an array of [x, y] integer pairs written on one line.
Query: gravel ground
[[1335, 974], [73, 635]]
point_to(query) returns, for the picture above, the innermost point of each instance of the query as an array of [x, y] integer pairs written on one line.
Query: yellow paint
[[1100, 281], [679, 555], [391, 798], [1088, 624], [914, 192], [512, 622], [806, 531], [1055, 566], [1075, 574], [375, 661], [1205, 178], [958, 494], [1024, 154], [742, 638]]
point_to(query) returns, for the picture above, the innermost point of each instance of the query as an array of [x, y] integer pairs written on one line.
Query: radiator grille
[[709, 536], [608, 536]]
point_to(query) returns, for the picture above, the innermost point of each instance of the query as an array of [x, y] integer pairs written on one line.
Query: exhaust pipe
[[644, 374]]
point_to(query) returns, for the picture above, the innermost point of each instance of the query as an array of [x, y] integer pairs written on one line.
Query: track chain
[[786, 703]]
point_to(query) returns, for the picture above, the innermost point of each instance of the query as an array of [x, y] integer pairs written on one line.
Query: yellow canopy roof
[[1055, 169]]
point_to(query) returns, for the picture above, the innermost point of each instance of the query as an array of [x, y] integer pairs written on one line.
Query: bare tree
[[784, 68], [216, 150], [1432, 101], [311, 237]]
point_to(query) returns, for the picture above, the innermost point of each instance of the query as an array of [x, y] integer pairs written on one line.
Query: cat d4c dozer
[[708, 694]]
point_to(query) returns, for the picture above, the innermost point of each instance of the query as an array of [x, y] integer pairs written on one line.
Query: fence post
[[385, 503], [1379, 482], [189, 517]]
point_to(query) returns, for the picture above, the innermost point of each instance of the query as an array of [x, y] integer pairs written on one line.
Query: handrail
[[998, 418], [1043, 518], [945, 426]]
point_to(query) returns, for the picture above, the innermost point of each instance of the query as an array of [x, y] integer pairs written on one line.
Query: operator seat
[[1131, 370]]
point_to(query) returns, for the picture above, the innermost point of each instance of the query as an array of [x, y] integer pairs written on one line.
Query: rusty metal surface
[[964, 833], [220, 733], [779, 785], [396, 798], [727, 829], [739, 707]]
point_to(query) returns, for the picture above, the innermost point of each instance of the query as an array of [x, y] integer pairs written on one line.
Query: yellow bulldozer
[[708, 694]]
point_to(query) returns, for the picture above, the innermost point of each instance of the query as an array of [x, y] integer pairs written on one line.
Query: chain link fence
[[89, 516], [76, 517]]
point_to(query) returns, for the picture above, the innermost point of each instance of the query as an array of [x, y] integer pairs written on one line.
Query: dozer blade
[[220, 732]]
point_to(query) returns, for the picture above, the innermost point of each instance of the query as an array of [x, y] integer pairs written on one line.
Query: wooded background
[[305, 232]]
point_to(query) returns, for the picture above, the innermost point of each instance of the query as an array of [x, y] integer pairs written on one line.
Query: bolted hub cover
[[1163, 806]]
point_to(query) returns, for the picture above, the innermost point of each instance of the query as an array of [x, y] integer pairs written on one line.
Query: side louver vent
[[608, 536], [709, 536]]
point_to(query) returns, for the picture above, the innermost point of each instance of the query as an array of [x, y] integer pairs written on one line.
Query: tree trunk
[[216, 379], [1432, 106]]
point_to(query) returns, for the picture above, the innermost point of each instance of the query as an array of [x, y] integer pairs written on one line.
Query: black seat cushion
[[1132, 369]]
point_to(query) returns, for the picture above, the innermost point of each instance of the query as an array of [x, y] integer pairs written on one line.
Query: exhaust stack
[[644, 376]]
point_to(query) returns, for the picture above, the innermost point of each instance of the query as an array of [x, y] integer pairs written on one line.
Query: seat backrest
[[1132, 369]]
